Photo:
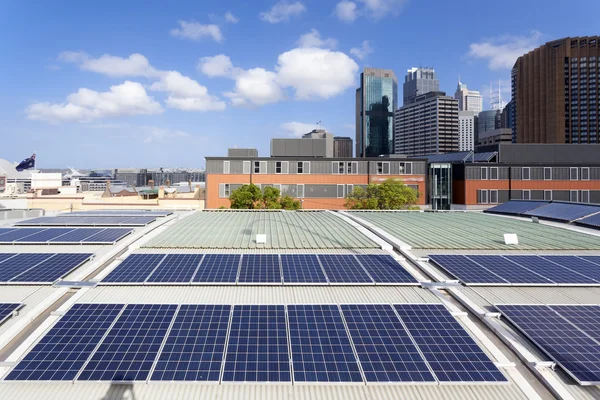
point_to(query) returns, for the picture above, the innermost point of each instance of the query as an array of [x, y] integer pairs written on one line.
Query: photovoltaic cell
[[176, 268], [218, 268], [592, 259], [321, 349], [135, 268], [6, 256], [260, 268], [75, 235], [343, 269], [4, 231], [575, 352], [452, 354], [510, 271], [550, 270], [385, 269], [132, 344], [302, 268], [53, 268], [257, 350], [467, 271], [6, 310], [19, 234], [194, 348], [64, 349], [385, 349], [20, 263], [579, 265], [585, 318]]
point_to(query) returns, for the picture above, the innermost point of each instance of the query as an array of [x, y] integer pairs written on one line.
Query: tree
[[288, 203], [389, 195], [270, 198], [246, 197]]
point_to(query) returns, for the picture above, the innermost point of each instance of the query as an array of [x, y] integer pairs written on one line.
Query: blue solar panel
[[19, 234], [52, 269], [452, 354], [321, 349], [257, 350], [343, 269], [46, 235], [585, 318], [591, 221], [4, 231], [88, 221], [515, 207], [109, 235], [385, 269], [132, 344], [176, 268], [20, 263], [195, 345], [569, 347], [6, 310], [62, 352], [117, 213], [218, 268], [302, 268], [135, 268], [467, 271], [577, 264], [550, 270], [511, 272], [76, 235], [260, 268], [6, 256], [385, 349], [592, 259], [563, 211]]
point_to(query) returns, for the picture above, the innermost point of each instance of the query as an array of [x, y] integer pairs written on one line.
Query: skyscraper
[[376, 100], [468, 100], [555, 92], [419, 81], [466, 132]]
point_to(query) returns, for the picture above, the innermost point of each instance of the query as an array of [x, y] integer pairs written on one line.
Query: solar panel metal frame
[[51, 259], [8, 316], [403, 271], [307, 283], [200, 269]]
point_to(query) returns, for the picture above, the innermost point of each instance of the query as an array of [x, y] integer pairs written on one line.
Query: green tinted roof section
[[284, 230], [475, 231]]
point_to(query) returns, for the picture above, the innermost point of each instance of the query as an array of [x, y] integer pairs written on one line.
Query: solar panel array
[[88, 221], [260, 269], [38, 268], [415, 343], [117, 213], [516, 207], [7, 309], [62, 235], [568, 334], [521, 270], [593, 221], [564, 212]]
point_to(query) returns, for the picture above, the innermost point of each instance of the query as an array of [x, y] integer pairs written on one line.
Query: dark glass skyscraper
[[376, 101]]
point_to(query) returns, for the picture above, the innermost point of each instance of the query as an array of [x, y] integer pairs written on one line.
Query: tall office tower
[[376, 100], [342, 147], [466, 130], [468, 100], [429, 125], [555, 92], [419, 81]]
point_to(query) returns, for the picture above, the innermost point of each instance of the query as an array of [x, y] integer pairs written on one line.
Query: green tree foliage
[[288, 203], [389, 195], [270, 198], [250, 197]]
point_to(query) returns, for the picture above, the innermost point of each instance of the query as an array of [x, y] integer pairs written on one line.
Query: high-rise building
[[489, 120], [468, 100], [466, 130], [376, 100], [427, 126], [419, 81], [555, 92], [342, 147]]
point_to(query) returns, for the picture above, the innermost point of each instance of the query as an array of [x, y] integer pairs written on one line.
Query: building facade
[[468, 100], [318, 143], [555, 92], [417, 82], [429, 125], [342, 147], [376, 100], [466, 130]]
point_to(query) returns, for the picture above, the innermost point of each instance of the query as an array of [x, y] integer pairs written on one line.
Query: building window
[[383, 168], [349, 189], [257, 167], [340, 191], [548, 195], [573, 173], [300, 190], [494, 196], [405, 168], [484, 173], [547, 173], [585, 173], [246, 167], [300, 167], [226, 167], [585, 196], [526, 173], [573, 196], [482, 196], [278, 167], [224, 190], [526, 194], [494, 173]]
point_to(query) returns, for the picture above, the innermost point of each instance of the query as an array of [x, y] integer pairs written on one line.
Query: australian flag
[[27, 163]]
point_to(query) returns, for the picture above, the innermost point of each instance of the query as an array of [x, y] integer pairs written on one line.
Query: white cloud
[[133, 66], [186, 94], [363, 51], [219, 65], [232, 19], [282, 12], [157, 135], [346, 11], [129, 98], [502, 51], [297, 129], [256, 86], [195, 31], [316, 73], [313, 39]]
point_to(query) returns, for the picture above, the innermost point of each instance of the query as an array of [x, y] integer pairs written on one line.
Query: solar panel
[[108, 235], [6, 256], [574, 351], [176, 268], [515, 207], [467, 271], [6, 310], [511, 272], [20, 263], [195, 345], [46, 235], [452, 354], [218, 268], [52, 269], [135, 268], [117, 213], [18, 234], [385, 349], [563, 211], [579, 265], [63, 351], [257, 350], [321, 349], [129, 349], [585, 318], [75, 235], [6, 230], [302, 268], [550, 270], [343, 269], [591, 221], [260, 268], [385, 269], [88, 221], [592, 259]]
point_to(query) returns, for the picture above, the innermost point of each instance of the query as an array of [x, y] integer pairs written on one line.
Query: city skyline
[[203, 79]]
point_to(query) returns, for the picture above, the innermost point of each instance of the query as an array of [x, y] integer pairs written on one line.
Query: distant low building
[[494, 137]]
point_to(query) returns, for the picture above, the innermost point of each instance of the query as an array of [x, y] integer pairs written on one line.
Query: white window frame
[[306, 167], [223, 189], [335, 168], [383, 164], [337, 193], [547, 169], [298, 187], [246, 167], [571, 169], [587, 195], [497, 173], [550, 197], [486, 174], [490, 196], [354, 167], [226, 167], [254, 167], [280, 167], [349, 188], [576, 193], [528, 194], [587, 169], [406, 164], [528, 169], [481, 196]]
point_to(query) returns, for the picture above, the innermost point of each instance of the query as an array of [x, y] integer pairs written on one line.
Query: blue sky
[[151, 84]]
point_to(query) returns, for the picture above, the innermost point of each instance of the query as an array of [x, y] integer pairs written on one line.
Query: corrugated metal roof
[[284, 230], [473, 230]]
